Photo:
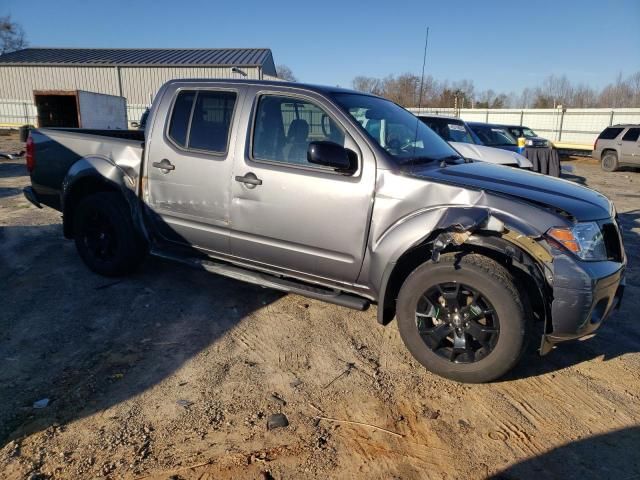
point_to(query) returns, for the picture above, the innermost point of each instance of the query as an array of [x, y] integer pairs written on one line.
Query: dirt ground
[[173, 373]]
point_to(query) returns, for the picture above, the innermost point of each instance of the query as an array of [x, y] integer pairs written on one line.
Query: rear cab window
[[201, 120], [610, 133]]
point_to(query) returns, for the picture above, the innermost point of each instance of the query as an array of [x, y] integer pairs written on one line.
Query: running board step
[[270, 281]]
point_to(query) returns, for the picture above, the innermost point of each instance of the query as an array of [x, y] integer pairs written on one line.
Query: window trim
[[313, 168], [197, 90]]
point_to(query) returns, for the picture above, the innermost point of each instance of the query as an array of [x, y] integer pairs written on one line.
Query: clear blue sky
[[495, 43]]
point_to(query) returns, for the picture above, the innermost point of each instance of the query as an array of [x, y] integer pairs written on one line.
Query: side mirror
[[135, 125], [330, 154]]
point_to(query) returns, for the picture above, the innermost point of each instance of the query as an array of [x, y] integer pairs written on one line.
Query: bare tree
[[285, 73], [368, 85], [634, 85], [403, 89], [486, 99], [555, 90], [618, 94], [12, 36], [583, 97]]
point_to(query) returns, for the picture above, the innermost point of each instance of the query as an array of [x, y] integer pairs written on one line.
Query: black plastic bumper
[[31, 195], [583, 297]]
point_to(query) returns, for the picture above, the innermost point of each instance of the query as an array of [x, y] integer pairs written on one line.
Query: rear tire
[[105, 236], [489, 335], [610, 161]]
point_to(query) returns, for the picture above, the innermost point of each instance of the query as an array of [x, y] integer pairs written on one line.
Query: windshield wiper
[[418, 160], [442, 160]]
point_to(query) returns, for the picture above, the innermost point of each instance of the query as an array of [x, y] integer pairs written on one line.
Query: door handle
[[164, 165], [250, 180]]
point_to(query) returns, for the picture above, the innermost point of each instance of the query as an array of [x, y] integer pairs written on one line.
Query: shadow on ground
[[86, 342], [611, 455], [11, 168]]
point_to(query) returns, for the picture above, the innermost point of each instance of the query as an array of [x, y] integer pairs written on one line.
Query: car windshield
[[398, 132], [494, 137], [528, 133], [449, 129]]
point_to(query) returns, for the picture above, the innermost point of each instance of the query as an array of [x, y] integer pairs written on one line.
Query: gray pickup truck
[[347, 198]]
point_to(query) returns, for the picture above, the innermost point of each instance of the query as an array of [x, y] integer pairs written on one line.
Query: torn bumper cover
[[584, 294]]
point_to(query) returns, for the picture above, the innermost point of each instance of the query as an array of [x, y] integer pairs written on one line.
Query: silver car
[[618, 146], [461, 137]]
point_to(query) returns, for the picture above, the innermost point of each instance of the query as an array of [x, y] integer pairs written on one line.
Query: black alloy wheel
[[457, 322]]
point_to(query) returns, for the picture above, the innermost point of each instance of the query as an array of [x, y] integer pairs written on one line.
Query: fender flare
[[103, 171]]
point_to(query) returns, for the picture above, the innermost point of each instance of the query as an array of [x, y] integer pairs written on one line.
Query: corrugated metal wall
[[139, 84]]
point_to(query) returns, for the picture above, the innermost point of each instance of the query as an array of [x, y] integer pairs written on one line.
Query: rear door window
[[610, 133], [631, 135], [201, 120], [211, 121]]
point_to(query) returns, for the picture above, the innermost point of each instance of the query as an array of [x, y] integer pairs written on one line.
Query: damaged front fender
[[458, 223], [448, 226]]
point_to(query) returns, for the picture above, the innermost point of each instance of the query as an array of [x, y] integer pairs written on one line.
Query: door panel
[[630, 146], [301, 218], [190, 201]]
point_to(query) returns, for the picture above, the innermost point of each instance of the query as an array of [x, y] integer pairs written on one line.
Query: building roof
[[147, 57]]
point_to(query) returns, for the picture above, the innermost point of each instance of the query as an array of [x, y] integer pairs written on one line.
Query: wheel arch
[[91, 175], [609, 149], [518, 259]]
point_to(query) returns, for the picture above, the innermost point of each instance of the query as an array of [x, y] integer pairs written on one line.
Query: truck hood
[[580, 202], [491, 155]]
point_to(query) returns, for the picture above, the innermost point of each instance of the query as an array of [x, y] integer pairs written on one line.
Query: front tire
[[462, 318], [105, 236], [610, 161]]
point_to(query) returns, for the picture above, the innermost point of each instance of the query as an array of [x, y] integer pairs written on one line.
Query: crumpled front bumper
[[584, 294]]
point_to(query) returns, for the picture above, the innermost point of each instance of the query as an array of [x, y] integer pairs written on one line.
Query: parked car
[[292, 187], [618, 146], [494, 136], [461, 137], [531, 138]]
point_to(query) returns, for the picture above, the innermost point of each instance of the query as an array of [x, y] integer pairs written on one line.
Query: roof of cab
[[325, 89]]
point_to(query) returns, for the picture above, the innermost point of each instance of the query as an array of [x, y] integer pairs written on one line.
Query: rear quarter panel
[[57, 151]]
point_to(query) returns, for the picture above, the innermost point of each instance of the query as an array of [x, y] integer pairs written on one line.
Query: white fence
[[571, 127], [14, 113]]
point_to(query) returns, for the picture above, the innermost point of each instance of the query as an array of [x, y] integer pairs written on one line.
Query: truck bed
[[58, 149]]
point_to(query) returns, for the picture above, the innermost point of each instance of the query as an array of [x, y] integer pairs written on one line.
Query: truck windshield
[[449, 129], [398, 132], [494, 136]]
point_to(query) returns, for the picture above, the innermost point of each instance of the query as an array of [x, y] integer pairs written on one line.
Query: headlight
[[529, 143], [584, 239]]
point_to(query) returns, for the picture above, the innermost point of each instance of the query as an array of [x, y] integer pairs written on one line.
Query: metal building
[[133, 73]]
